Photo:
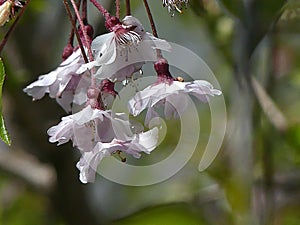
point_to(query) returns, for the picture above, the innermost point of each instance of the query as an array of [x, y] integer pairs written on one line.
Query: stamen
[[128, 38], [123, 159]]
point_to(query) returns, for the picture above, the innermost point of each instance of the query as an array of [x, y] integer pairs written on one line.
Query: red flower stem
[[12, 27], [154, 31], [150, 18], [84, 11], [71, 38], [104, 12], [128, 9], [75, 30], [83, 30], [72, 33], [118, 10]]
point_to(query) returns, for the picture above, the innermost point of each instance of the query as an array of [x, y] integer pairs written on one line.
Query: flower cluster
[[95, 129]]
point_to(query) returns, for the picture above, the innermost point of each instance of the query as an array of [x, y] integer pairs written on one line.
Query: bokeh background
[[253, 48]]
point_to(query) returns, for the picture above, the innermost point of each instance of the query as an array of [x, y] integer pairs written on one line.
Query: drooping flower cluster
[[95, 129]]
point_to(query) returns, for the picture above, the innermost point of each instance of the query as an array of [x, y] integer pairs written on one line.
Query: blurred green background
[[253, 48]]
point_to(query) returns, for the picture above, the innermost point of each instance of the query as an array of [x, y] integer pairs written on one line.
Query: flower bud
[[68, 50]]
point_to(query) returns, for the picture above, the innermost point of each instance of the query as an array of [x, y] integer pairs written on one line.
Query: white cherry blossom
[[89, 126], [142, 142], [123, 51], [97, 134], [170, 94], [59, 83]]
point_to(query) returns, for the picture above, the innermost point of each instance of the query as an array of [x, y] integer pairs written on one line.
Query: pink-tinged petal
[[143, 142], [175, 105], [146, 98], [151, 95], [105, 130], [38, 88], [104, 47], [121, 53], [62, 79], [201, 87], [147, 140], [85, 67], [89, 162], [74, 58], [87, 114], [62, 132], [171, 95], [65, 100], [157, 43], [84, 137], [98, 42]]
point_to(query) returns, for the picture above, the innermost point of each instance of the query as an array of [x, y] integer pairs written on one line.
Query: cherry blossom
[[123, 51], [59, 83], [89, 126], [142, 142], [97, 133], [170, 93]]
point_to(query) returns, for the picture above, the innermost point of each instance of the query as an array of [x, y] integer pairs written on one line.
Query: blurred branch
[[269, 107], [26, 167]]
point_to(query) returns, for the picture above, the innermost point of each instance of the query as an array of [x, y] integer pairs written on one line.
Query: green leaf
[[3, 132]]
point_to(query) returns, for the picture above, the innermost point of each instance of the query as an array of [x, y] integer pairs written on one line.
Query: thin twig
[[12, 27], [104, 12], [83, 30], [118, 10], [84, 11], [72, 33], [75, 30], [271, 110], [128, 9], [154, 31]]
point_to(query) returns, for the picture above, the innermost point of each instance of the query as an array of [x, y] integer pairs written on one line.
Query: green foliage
[[234, 7], [267, 13], [179, 214], [293, 136], [3, 132], [257, 17]]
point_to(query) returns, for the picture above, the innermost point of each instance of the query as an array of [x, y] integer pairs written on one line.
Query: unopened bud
[[68, 50]]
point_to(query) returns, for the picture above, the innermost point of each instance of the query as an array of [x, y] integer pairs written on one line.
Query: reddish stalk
[[150, 18], [83, 30], [128, 9], [118, 10], [104, 12], [84, 11], [154, 31], [75, 30]]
